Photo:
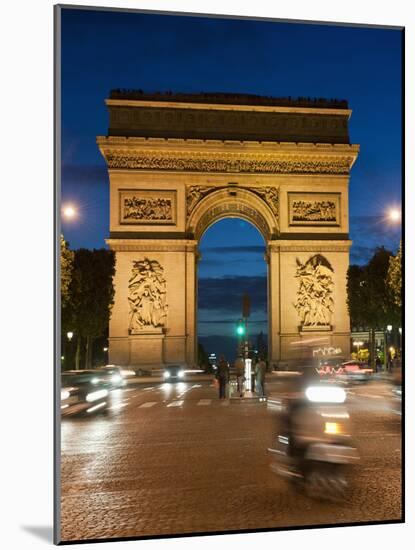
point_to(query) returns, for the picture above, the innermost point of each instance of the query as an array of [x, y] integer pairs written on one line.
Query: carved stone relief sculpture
[[316, 211], [147, 207], [195, 193], [315, 302], [147, 296], [271, 197], [226, 162], [314, 208], [137, 208]]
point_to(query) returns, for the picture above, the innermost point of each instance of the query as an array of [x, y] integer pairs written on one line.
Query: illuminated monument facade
[[177, 164]]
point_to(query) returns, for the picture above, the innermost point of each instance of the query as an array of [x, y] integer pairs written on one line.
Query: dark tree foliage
[[66, 267], [91, 296], [356, 295], [381, 309], [394, 279], [370, 300]]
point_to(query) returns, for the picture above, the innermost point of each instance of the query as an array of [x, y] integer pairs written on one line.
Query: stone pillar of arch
[[176, 167]]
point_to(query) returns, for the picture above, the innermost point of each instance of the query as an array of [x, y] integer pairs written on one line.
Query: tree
[[66, 265], [356, 295], [66, 269], [91, 296], [394, 278], [369, 298]]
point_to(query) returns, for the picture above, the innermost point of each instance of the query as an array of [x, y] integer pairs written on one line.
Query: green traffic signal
[[240, 330]]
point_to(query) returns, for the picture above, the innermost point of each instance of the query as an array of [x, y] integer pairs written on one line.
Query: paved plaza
[[174, 459]]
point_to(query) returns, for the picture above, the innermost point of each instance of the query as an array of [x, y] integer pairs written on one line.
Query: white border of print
[[27, 274]]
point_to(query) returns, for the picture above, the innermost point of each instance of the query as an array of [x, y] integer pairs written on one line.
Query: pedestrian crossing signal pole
[[240, 331], [246, 307]]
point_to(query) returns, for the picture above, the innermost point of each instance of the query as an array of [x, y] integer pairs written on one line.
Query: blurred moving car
[[354, 371], [327, 364], [173, 373], [113, 375], [83, 391]]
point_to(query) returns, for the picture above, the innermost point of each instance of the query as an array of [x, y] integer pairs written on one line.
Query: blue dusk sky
[[103, 50]]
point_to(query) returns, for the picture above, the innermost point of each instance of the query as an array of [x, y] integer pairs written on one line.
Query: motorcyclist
[[294, 399]]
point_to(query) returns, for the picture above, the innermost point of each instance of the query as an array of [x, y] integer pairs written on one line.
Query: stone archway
[[209, 204], [176, 167]]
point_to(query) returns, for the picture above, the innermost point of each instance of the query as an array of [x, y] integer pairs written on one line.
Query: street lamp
[[69, 212], [387, 341], [394, 215], [358, 344], [69, 335]]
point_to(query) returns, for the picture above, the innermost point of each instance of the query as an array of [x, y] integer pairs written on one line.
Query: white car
[[114, 376]]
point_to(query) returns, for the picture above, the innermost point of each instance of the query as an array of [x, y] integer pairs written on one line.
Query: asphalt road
[[174, 459]]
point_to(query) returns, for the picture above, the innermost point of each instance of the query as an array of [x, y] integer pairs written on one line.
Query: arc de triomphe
[[179, 163]]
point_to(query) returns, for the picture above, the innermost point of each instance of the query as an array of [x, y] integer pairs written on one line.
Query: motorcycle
[[315, 449]]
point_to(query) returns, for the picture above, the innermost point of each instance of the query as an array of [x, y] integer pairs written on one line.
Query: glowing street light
[[394, 215], [358, 344], [69, 335], [69, 212]]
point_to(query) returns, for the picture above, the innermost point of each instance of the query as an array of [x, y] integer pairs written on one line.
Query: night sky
[[106, 50]]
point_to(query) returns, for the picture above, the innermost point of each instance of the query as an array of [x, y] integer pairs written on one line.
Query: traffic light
[[240, 329]]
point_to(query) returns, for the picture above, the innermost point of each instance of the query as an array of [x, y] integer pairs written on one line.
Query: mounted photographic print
[[229, 334]]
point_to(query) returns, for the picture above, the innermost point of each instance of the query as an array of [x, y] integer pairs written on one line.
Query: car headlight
[[166, 374], [326, 394], [127, 372], [95, 395], [181, 373], [116, 378], [64, 394]]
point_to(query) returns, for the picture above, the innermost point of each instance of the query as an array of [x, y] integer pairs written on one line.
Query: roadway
[[174, 459]]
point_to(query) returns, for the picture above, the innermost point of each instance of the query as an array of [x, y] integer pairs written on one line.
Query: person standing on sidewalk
[[260, 370], [222, 376], [240, 374]]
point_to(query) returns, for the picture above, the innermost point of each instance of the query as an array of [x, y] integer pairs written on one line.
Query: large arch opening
[[231, 265]]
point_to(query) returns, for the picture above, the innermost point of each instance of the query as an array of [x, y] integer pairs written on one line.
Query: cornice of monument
[[225, 98], [314, 246], [228, 107], [212, 144], [205, 156], [152, 245], [195, 155]]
